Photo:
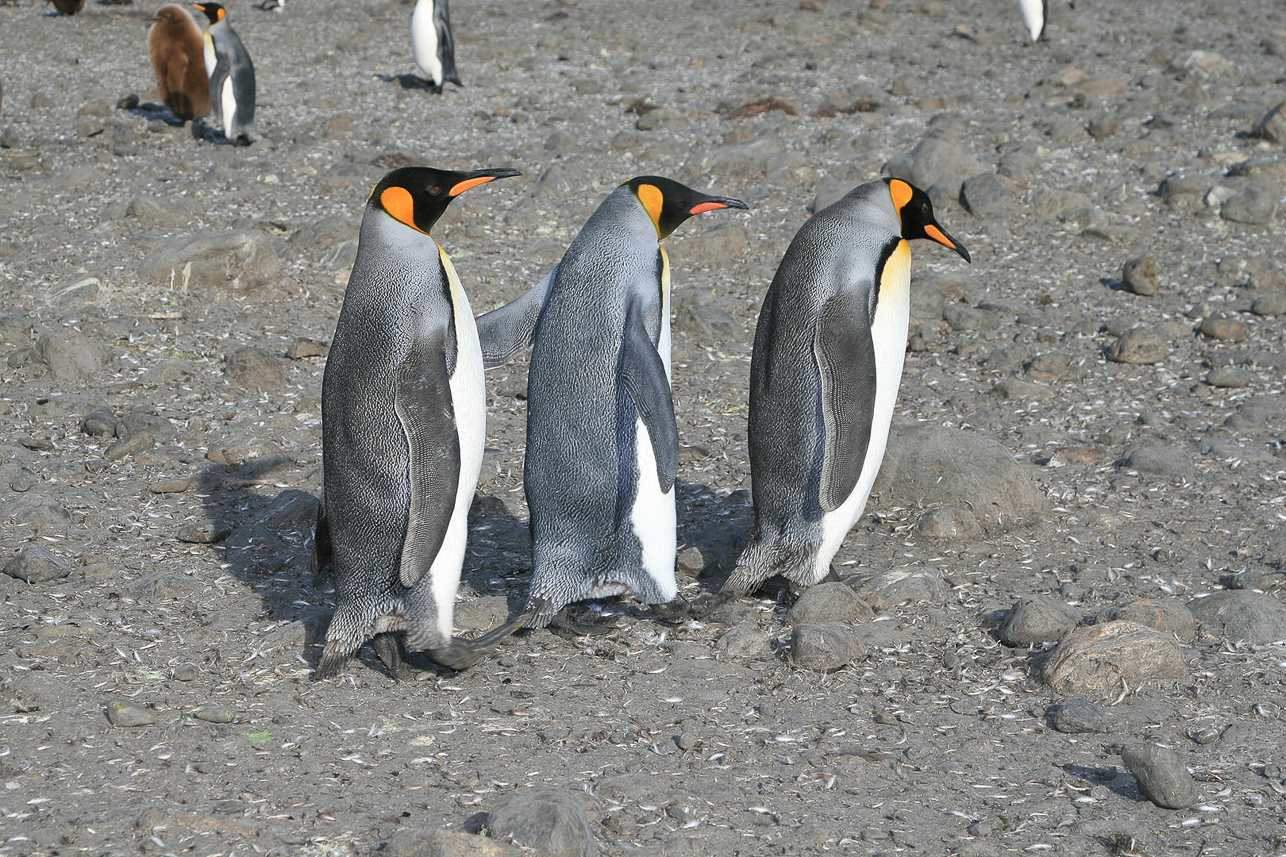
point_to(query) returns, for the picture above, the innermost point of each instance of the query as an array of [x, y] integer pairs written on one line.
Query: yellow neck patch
[[653, 200], [398, 203]]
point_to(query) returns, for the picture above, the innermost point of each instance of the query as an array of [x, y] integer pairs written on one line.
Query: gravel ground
[[1062, 614]]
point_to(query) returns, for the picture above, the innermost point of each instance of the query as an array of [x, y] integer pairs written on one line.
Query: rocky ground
[[1062, 622]]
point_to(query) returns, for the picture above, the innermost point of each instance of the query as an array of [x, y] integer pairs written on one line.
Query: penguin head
[[417, 196], [915, 213], [213, 11], [669, 203], [171, 15]]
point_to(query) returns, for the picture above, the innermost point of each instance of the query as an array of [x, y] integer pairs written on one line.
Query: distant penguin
[[1035, 16], [68, 7], [403, 420], [232, 77], [602, 443], [434, 45], [176, 47], [824, 377]]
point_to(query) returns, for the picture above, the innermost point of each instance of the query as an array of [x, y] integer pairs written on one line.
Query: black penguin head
[[915, 212], [213, 11], [417, 196], [669, 203]]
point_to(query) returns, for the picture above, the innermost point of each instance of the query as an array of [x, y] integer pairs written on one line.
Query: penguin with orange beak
[[824, 377]]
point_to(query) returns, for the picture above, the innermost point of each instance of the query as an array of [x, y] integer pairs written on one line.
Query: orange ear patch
[[901, 193], [221, 13], [706, 206], [653, 200], [467, 184], [398, 203]]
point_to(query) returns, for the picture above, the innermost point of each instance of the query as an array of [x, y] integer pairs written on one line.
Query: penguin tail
[[460, 653], [333, 658]]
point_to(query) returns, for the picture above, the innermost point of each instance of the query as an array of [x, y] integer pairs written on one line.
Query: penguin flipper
[[424, 407], [446, 42], [506, 330], [845, 354], [643, 374], [323, 551]]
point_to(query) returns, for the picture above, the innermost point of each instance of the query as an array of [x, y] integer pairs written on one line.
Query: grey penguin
[[232, 77], [433, 43], [602, 442], [824, 375], [1035, 15], [403, 422]]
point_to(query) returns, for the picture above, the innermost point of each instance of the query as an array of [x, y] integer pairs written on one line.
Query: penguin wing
[[845, 356], [446, 44], [505, 331], [424, 407], [643, 375]]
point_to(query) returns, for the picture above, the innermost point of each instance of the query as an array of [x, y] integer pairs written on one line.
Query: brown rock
[[1106, 660]]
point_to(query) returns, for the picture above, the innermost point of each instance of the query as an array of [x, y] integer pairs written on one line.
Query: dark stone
[[36, 565], [1162, 776]]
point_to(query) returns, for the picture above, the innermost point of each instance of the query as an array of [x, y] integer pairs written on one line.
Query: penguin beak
[[715, 202], [474, 179], [937, 233]]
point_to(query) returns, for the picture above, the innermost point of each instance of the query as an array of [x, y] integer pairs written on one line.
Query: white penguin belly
[[1033, 12], [468, 397], [228, 103], [888, 333], [424, 39], [653, 517]]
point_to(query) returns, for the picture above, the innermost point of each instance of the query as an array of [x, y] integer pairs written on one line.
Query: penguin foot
[[701, 607], [569, 627], [388, 648], [461, 653]]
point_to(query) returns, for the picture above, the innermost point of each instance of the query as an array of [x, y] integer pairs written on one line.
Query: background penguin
[[403, 419], [433, 43], [68, 7], [602, 444], [176, 47], [232, 77], [824, 377], [1035, 16]]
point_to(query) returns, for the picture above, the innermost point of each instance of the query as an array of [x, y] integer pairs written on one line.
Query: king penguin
[[824, 377], [1035, 16], [403, 421], [602, 443], [175, 44], [433, 43], [232, 77]]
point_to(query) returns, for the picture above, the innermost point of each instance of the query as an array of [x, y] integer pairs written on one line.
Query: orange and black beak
[[479, 177], [934, 232]]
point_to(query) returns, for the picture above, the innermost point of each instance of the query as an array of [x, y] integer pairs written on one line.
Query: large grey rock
[[411, 842], [984, 194], [254, 369], [1167, 615], [550, 822], [1254, 204], [1167, 462], [1103, 661], [911, 585], [1162, 776], [935, 160], [69, 356], [1078, 715], [231, 261], [927, 465], [1138, 345], [824, 647], [36, 565], [1252, 617], [829, 602], [1038, 619]]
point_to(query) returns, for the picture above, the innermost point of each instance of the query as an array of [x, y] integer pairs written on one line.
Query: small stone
[[414, 842], [1140, 275], [1103, 661], [99, 422], [186, 672], [910, 585], [170, 486], [686, 741], [1038, 619], [1254, 204], [1078, 715], [129, 716], [824, 647], [204, 533], [1231, 378], [254, 369], [69, 356], [1162, 776], [550, 822], [36, 565], [1138, 345], [948, 522], [744, 640], [1222, 327], [691, 561], [302, 348], [214, 714], [130, 444], [829, 602], [1171, 462], [984, 194], [1272, 126], [1167, 615], [1253, 617], [1273, 303]]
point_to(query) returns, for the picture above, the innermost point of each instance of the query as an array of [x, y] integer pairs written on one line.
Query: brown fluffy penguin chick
[[68, 7], [177, 50]]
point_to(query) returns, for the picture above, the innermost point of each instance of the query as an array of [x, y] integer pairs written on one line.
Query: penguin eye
[[435, 190]]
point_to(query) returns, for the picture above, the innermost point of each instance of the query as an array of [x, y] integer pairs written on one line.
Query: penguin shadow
[[1115, 779], [150, 111], [410, 81], [264, 539], [717, 526]]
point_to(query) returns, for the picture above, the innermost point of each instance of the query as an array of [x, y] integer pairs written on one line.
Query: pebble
[[1272, 125], [1162, 776], [1140, 275], [1231, 377], [550, 822], [984, 194], [745, 639], [1241, 615], [1167, 615], [1254, 204], [948, 523], [302, 348], [1273, 303], [1038, 619], [254, 369], [128, 716], [213, 713], [1103, 661], [204, 533], [99, 422], [36, 565], [69, 356], [1170, 462], [1222, 327], [909, 585], [691, 562], [1138, 345], [932, 466], [233, 261], [830, 601], [132, 443], [824, 647], [1078, 715]]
